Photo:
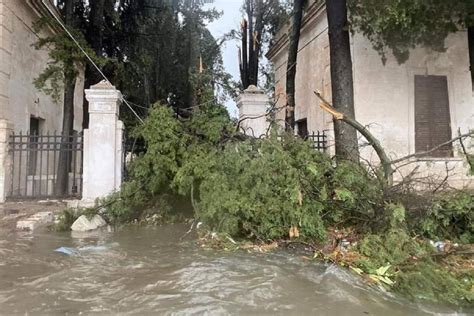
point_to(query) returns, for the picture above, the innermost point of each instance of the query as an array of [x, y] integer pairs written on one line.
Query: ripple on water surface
[[149, 270]]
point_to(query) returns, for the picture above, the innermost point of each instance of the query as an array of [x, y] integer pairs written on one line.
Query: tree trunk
[[95, 27], [61, 184], [64, 160], [251, 42], [291, 64], [342, 79], [470, 32], [251, 52], [244, 56], [256, 40], [95, 36]]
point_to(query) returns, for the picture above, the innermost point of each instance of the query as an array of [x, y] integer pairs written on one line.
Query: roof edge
[[282, 40]]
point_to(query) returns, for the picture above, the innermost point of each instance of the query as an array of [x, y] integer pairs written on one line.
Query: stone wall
[[20, 63]]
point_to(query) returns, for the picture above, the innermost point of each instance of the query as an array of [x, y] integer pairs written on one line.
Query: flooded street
[[150, 271]]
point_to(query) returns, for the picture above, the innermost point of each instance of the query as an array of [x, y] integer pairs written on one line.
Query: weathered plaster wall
[[384, 94], [20, 63], [385, 97], [6, 29], [312, 73]]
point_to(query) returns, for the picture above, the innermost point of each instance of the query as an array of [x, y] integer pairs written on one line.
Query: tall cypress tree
[[342, 83]]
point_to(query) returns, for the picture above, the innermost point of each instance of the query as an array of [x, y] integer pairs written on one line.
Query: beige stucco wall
[[20, 63], [384, 94], [312, 73], [384, 98]]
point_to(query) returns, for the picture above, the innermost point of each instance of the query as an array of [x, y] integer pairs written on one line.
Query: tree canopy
[[152, 50], [400, 25]]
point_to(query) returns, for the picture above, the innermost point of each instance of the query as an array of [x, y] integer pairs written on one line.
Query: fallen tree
[[280, 190]]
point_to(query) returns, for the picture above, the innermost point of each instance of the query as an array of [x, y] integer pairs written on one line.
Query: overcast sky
[[229, 20]]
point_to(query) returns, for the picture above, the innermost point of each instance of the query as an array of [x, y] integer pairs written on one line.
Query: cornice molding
[[39, 8], [310, 18]]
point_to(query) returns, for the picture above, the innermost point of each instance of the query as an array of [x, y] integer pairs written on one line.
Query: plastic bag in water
[[76, 251], [67, 251]]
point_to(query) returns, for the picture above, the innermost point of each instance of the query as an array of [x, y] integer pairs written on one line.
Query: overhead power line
[[87, 55]]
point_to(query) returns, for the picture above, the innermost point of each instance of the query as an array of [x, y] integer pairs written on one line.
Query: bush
[[448, 216]]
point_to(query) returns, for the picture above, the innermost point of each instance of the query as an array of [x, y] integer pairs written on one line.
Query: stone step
[[34, 221]]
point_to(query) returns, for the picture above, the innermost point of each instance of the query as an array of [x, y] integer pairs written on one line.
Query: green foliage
[[428, 281], [128, 204], [66, 219], [178, 154], [258, 188], [392, 248], [163, 136], [423, 279], [160, 48], [66, 59], [450, 216], [69, 216], [357, 194], [400, 25]]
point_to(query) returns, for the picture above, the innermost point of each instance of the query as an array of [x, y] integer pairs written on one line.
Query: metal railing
[[319, 140], [35, 161]]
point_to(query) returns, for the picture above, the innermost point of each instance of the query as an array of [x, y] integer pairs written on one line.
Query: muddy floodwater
[[143, 271]]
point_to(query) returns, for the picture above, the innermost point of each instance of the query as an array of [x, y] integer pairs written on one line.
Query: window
[[302, 128], [432, 118], [35, 124]]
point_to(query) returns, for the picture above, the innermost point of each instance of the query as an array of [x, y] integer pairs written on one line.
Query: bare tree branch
[[424, 153], [374, 142]]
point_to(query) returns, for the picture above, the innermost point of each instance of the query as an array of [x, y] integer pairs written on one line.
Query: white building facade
[[20, 63], [25, 109], [410, 107]]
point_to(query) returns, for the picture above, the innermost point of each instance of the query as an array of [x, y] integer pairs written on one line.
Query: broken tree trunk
[[291, 64], [373, 141], [342, 83]]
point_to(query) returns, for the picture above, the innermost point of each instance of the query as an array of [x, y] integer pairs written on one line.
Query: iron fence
[[319, 140], [35, 163]]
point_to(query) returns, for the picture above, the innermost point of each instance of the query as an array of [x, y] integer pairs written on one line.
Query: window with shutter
[[432, 118]]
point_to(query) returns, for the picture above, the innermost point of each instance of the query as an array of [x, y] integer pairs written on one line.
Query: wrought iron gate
[[35, 161]]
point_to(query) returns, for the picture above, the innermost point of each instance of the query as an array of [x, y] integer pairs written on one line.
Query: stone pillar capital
[[253, 104], [103, 98]]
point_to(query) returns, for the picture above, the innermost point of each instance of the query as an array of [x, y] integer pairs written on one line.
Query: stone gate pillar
[[5, 160], [103, 159], [253, 104]]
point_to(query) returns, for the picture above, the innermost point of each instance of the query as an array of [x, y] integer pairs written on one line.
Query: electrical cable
[[87, 56]]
